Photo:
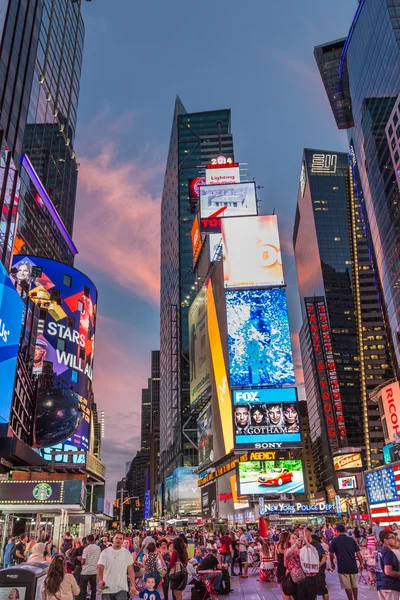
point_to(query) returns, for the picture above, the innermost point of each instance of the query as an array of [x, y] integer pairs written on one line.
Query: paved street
[[251, 589]]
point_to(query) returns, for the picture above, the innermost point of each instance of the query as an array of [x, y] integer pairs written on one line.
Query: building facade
[[335, 267], [374, 40], [195, 139]]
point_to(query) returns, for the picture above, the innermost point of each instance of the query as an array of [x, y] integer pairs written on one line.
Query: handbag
[[161, 566], [222, 548], [288, 587], [177, 571]]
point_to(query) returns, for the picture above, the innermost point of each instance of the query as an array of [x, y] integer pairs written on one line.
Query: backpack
[[309, 560], [222, 549], [225, 587], [13, 552]]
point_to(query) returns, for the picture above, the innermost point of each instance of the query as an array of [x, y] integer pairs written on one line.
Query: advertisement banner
[[271, 477], [42, 492], [260, 350], [209, 506], [251, 252], [220, 375], [11, 309], [383, 485], [196, 239], [182, 494], [347, 483], [67, 344], [239, 199], [266, 418], [389, 398], [194, 186], [222, 175], [205, 437], [199, 350], [342, 462]]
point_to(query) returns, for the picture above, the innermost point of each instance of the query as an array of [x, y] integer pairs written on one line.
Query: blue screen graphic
[[11, 310], [260, 351]]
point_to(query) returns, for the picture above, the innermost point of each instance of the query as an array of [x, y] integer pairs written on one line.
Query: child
[[150, 593]]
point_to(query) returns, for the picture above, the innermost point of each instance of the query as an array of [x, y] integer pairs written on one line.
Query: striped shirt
[[91, 554]]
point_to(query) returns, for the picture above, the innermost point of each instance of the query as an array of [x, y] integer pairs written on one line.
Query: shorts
[[243, 557], [322, 590], [388, 595], [348, 581]]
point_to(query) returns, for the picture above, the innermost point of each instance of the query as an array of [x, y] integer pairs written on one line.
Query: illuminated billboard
[[199, 351], [238, 198], [205, 437], [219, 174], [260, 351], [66, 343], [182, 494], [267, 477], [266, 418], [389, 403], [196, 239], [342, 462], [383, 485], [11, 309], [251, 252], [220, 375], [347, 483]]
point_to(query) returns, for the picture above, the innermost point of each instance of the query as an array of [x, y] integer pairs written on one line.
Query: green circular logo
[[42, 491]]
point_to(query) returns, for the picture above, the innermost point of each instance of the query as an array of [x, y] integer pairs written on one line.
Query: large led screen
[[67, 343], [205, 437], [182, 494], [268, 477], [382, 486], [11, 309], [251, 252], [238, 198], [262, 417], [199, 351], [260, 351]]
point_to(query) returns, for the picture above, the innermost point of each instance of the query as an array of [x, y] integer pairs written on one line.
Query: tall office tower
[[155, 426], [370, 61], [342, 358], [195, 139], [51, 123]]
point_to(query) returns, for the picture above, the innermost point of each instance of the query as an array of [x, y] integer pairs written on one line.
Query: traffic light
[[116, 503], [138, 503]]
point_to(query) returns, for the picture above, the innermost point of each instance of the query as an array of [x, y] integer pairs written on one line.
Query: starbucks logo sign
[[42, 491]]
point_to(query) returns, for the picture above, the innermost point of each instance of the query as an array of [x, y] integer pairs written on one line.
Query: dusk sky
[[255, 58]]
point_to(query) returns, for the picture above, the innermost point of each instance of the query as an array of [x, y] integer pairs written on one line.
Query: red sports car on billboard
[[276, 477]]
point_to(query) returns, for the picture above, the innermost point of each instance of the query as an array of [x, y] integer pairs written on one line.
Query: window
[[80, 306], [82, 353], [60, 344], [395, 118], [70, 322], [396, 155], [390, 131], [67, 280], [74, 376], [86, 291]]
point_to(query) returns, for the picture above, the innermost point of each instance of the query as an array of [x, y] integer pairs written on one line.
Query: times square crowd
[[161, 565]]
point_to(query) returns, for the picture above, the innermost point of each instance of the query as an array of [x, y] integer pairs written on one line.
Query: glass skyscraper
[[333, 263], [370, 62], [195, 139]]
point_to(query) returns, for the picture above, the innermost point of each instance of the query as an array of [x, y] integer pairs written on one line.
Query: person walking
[[8, 561], [387, 569], [177, 567], [58, 584], [115, 564], [90, 558], [225, 548], [346, 550]]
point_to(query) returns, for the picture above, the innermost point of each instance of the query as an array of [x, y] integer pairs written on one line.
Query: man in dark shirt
[[322, 589], [387, 568], [346, 549], [19, 550], [210, 563]]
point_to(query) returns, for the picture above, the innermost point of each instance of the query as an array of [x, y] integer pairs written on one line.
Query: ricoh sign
[[389, 401]]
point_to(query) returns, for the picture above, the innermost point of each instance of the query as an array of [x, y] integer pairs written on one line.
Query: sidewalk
[[251, 589]]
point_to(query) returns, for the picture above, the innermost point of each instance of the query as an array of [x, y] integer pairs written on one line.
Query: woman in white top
[[58, 584]]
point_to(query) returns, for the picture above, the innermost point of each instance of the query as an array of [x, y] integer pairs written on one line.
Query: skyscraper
[[372, 47], [51, 122], [195, 139], [335, 270]]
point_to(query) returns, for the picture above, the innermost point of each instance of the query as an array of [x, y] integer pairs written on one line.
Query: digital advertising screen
[[219, 174], [205, 437], [11, 310], [382, 486], [251, 252], [268, 477], [342, 462], [199, 349], [347, 483], [13, 593], [209, 505], [238, 198], [260, 350], [182, 494], [67, 343], [265, 416]]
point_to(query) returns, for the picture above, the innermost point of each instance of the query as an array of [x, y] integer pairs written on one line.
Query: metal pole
[[121, 508]]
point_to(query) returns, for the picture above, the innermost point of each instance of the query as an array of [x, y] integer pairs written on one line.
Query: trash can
[[23, 582]]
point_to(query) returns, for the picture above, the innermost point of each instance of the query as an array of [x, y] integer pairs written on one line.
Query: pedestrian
[[8, 561], [387, 568], [66, 543], [376, 529], [235, 556], [294, 573], [150, 564], [150, 592], [225, 548], [115, 564], [58, 584], [281, 569], [178, 568], [329, 533], [18, 552], [167, 557], [90, 558], [38, 554], [345, 549], [243, 553], [371, 542], [322, 589]]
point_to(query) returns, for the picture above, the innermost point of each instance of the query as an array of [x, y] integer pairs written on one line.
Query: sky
[[255, 58]]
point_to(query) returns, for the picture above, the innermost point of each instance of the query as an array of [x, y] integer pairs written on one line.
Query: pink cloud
[[117, 224]]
